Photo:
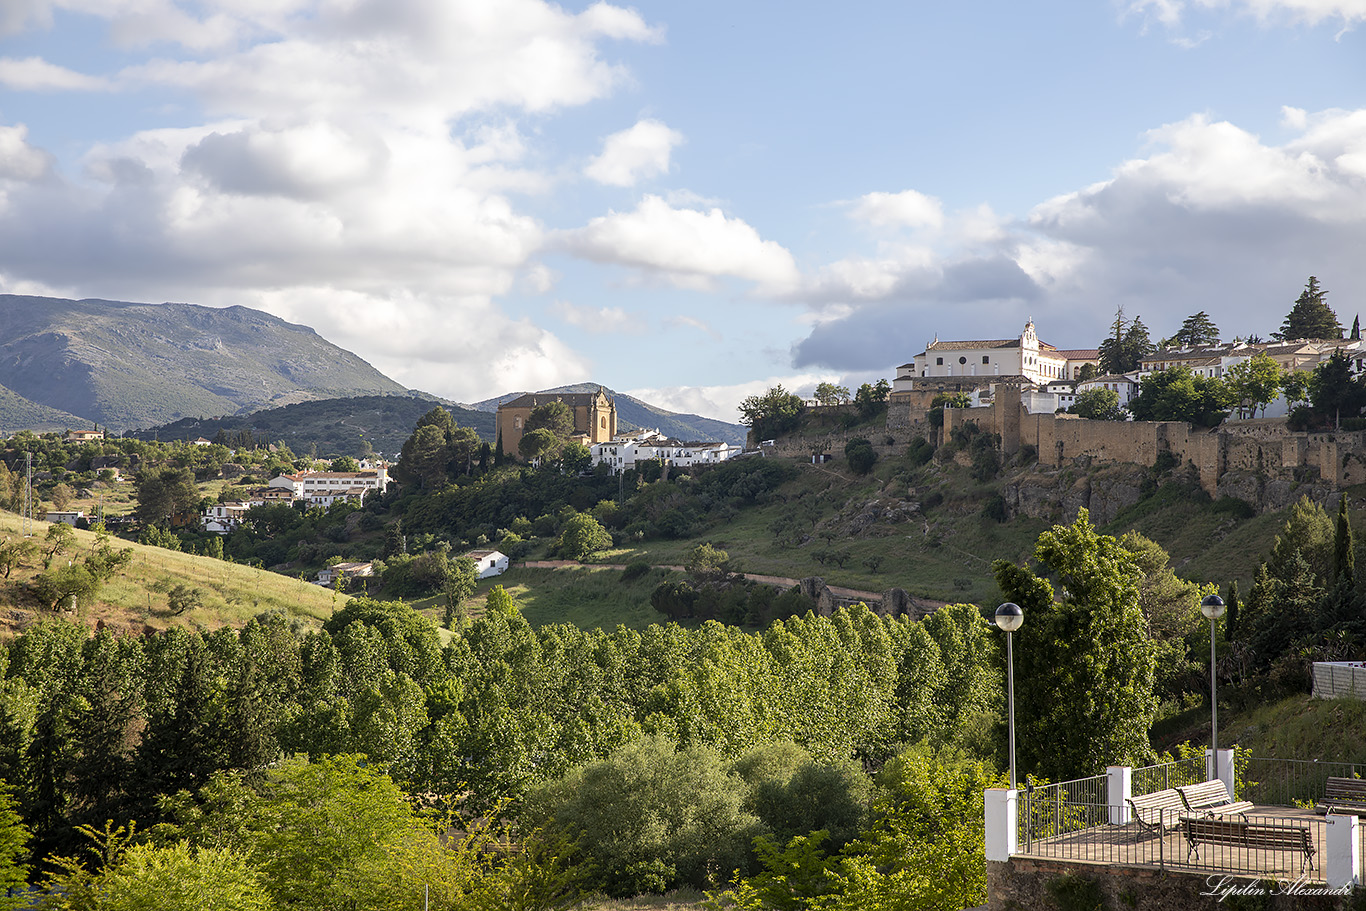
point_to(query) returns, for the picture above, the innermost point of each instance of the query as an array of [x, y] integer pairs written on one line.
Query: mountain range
[[184, 371], [124, 365]]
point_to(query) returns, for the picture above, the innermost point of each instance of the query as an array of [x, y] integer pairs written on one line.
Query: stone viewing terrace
[[1265, 821]]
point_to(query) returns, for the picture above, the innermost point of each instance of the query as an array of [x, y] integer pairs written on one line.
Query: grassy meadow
[[137, 597]]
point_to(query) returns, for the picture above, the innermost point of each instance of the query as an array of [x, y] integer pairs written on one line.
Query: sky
[[689, 202]]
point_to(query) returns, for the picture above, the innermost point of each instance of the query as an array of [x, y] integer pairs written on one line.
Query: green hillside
[[329, 427]]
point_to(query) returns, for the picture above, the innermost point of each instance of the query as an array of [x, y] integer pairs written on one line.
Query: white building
[[625, 450], [488, 562], [222, 518], [328, 576], [1026, 356], [69, 517], [1124, 385], [324, 487]]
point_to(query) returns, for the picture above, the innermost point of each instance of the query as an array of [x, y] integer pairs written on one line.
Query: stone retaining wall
[[1030, 884]]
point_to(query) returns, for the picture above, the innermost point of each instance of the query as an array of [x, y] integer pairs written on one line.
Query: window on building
[[986, 359], [962, 360], [939, 362]]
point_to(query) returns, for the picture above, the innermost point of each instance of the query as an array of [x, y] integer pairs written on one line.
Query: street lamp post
[[1213, 608], [1009, 617]]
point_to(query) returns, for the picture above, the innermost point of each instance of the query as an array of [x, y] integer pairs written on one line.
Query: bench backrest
[[1249, 834], [1152, 808], [1353, 789], [1206, 794]]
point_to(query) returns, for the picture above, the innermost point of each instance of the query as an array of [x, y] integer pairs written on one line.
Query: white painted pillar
[[1342, 853], [1222, 769], [1119, 787], [1002, 818]]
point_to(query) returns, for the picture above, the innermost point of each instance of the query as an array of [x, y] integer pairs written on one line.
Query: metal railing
[[1291, 782], [1160, 777], [1270, 846], [1057, 809]]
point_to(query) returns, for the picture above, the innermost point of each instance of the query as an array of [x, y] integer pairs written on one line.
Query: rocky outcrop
[[1058, 494]]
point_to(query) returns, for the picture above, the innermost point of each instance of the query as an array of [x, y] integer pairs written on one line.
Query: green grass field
[[137, 597]]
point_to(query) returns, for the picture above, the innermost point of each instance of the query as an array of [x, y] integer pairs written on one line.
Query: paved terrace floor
[[1131, 845]]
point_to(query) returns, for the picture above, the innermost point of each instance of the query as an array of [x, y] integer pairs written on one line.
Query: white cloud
[[634, 154], [691, 322], [683, 245], [1209, 218], [411, 61], [599, 320], [19, 160], [1170, 12], [33, 74], [427, 341], [907, 209]]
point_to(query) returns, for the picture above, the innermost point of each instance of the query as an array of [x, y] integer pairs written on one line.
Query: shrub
[[919, 452], [861, 455], [635, 570], [650, 818]]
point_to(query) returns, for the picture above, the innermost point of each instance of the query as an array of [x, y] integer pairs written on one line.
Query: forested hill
[[329, 427], [126, 365], [633, 413]]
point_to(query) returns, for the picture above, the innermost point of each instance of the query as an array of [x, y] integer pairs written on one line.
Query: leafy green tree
[[861, 455], [13, 848], [59, 539], [581, 537], [344, 463], [707, 564], [1334, 392], [73, 584], [462, 578], [164, 493], [828, 394], [1253, 383], [771, 414], [1310, 317], [553, 416], [1098, 405], [650, 818], [1198, 329], [537, 444], [575, 457], [1087, 655], [1086, 372], [1176, 394], [15, 552], [423, 458], [872, 398]]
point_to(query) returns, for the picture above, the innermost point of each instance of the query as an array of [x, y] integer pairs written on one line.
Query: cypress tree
[[1344, 556], [1231, 614]]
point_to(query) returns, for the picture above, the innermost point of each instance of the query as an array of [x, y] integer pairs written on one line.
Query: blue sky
[[689, 202]]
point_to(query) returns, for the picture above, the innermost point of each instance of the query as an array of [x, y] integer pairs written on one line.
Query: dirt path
[[851, 594]]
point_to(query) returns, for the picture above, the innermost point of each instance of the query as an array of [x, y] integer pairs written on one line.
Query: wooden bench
[[1158, 811], [1343, 795], [1211, 797], [1251, 835]]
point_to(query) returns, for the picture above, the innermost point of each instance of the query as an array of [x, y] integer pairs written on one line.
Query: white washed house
[[488, 562]]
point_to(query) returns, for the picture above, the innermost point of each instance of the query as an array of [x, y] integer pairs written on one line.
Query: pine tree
[[1311, 317], [1356, 328], [1198, 329]]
